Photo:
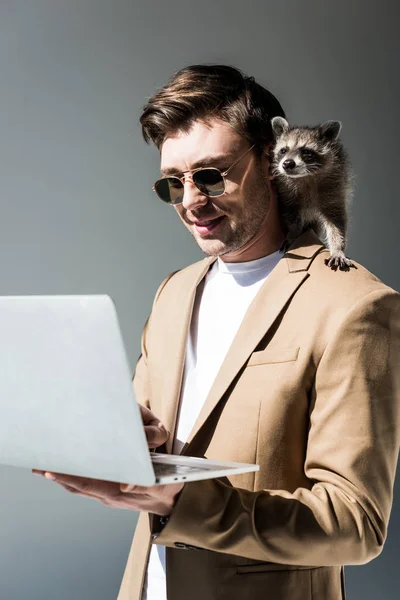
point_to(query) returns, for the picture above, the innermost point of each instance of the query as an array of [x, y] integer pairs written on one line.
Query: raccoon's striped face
[[297, 155], [302, 151]]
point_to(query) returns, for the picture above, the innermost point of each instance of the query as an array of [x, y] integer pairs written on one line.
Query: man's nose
[[192, 196]]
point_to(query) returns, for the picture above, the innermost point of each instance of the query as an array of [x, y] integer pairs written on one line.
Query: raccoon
[[314, 183]]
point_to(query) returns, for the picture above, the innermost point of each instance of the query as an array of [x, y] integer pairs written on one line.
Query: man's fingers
[[156, 434], [70, 482], [84, 485], [92, 487], [147, 415], [127, 488]]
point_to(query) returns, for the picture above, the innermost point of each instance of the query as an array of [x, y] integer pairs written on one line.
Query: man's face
[[221, 225]]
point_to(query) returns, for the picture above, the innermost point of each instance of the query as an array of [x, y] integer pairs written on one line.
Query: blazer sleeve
[[351, 458]]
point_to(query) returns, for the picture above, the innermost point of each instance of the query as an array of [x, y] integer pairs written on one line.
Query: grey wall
[[78, 214]]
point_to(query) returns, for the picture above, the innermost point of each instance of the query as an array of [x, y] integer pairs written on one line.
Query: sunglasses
[[209, 180]]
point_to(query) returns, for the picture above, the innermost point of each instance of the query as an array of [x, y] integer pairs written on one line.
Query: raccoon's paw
[[339, 261]]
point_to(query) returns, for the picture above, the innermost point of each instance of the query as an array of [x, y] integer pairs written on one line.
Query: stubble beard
[[238, 233]]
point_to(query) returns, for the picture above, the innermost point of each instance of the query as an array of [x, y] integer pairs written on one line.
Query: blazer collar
[[282, 283]]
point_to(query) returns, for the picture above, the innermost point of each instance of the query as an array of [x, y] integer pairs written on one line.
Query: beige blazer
[[309, 390]]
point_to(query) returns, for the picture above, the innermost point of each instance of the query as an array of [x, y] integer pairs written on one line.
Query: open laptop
[[66, 398]]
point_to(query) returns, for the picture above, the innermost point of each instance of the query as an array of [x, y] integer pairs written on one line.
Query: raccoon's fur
[[314, 184]]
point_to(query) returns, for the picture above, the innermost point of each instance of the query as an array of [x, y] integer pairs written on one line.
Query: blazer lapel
[[280, 286], [180, 316]]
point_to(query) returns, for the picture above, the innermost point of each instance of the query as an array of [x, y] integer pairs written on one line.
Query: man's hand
[[157, 499], [156, 433]]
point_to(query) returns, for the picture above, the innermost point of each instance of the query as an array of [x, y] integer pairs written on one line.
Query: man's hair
[[203, 92]]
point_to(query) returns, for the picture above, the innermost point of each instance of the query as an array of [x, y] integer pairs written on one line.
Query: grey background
[[78, 214]]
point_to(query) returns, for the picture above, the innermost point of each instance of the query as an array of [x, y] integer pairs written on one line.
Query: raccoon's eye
[[307, 154], [283, 151]]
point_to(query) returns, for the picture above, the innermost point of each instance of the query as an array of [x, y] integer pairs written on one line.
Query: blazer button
[[154, 536], [180, 545]]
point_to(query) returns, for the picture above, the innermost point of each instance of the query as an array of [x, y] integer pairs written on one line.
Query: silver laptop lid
[[66, 398]]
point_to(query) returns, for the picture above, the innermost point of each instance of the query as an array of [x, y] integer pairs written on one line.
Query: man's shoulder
[[192, 270], [183, 279], [344, 288]]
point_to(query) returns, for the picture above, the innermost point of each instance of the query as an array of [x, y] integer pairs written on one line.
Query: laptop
[[66, 398]]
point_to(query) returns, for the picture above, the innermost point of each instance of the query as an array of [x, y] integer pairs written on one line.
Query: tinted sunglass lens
[[170, 190], [210, 182]]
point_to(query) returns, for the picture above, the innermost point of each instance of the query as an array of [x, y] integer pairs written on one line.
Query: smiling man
[[253, 356], [238, 230]]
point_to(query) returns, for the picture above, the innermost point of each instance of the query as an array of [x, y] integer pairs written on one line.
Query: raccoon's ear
[[279, 125], [330, 130]]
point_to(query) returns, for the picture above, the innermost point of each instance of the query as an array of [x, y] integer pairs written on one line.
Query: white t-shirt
[[218, 311]]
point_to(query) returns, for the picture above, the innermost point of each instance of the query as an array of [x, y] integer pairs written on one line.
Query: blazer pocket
[[270, 356], [270, 567]]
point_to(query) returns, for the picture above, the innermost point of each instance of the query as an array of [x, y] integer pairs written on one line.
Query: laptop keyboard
[[164, 469]]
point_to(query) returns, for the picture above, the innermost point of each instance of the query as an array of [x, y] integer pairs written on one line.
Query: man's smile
[[205, 226]]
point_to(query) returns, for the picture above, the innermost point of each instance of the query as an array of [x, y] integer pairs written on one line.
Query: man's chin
[[215, 247], [211, 247]]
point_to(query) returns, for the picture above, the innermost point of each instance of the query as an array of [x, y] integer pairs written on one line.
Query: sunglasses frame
[[193, 171]]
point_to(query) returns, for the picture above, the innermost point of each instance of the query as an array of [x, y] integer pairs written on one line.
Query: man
[[254, 356]]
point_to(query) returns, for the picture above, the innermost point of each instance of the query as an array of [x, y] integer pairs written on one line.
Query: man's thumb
[[156, 435]]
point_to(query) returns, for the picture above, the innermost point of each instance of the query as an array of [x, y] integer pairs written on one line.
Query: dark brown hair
[[201, 92]]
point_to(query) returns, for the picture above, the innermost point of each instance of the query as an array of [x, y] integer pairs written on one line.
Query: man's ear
[[279, 125]]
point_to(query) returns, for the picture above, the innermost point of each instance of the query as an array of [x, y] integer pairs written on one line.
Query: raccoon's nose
[[289, 164]]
